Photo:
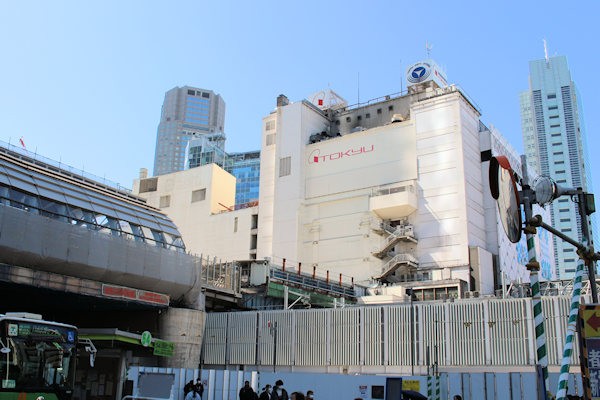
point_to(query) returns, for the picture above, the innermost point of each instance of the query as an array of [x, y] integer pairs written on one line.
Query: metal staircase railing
[[400, 233], [396, 262]]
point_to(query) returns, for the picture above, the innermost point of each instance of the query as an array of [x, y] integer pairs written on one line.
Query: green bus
[[37, 358]]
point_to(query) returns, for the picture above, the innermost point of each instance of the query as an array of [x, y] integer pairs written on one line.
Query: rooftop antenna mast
[[358, 87], [546, 51], [428, 48], [401, 78]]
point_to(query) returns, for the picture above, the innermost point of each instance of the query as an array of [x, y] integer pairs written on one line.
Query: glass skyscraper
[[244, 166], [554, 141], [246, 169], [187, 112]]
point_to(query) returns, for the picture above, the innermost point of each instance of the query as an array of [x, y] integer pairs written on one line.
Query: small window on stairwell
[[235, 224]]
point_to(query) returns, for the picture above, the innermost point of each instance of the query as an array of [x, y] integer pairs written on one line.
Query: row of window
[[197, 93], [196, 121], [367, 115], [197, 195], [88, 219]]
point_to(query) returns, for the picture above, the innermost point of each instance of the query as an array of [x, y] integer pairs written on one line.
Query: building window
[[367, 115], [198, 195], [348, 119], [165, 201], [270, 139], [270, 125], [553, 116], [148, 185], [391, 108], [558, 153], [552, 96], [555, 126], [285, 166], [555, 134], [565, 220], [379, 111], [235, 224], [337, 121], [205, 95], [553, 108], [191, 92], [563, 210], [359, 118], [562, 171]]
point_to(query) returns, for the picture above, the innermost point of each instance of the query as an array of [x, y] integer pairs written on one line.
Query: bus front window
[[41, 364]]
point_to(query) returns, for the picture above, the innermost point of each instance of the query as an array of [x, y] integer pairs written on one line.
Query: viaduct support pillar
[[185, 328]]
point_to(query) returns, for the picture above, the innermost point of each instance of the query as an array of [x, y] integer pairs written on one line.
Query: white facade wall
[[206, 226], [442, 215]]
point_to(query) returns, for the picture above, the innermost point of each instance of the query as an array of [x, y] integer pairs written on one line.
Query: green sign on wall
[[163, 348]]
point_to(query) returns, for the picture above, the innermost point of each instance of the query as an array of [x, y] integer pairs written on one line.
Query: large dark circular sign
[[503, 186]]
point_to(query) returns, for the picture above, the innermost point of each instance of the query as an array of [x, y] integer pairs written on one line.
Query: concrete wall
[[185, 328]]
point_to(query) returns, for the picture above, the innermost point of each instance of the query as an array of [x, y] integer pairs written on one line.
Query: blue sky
[[83, 82]]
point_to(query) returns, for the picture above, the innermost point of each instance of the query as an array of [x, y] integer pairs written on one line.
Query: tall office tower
[[554, 141], [187, 112]]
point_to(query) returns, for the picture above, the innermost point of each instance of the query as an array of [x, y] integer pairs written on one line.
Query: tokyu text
[[316, 157]]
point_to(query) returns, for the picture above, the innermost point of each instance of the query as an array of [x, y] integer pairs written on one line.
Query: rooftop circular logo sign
[[418, 73]]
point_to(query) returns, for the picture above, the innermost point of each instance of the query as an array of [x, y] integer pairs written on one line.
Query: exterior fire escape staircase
[[404, 261]]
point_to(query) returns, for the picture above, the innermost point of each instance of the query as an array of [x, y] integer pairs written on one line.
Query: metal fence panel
[[242, 338], [373, 336], [398, 330], [508, 332], [466, 333], [311, 337], [345, 338], [215, 338]]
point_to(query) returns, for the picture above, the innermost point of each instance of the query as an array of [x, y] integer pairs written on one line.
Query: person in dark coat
[[199, 387], [267, 393], [247, 393], [188, 387], [279, 392]]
